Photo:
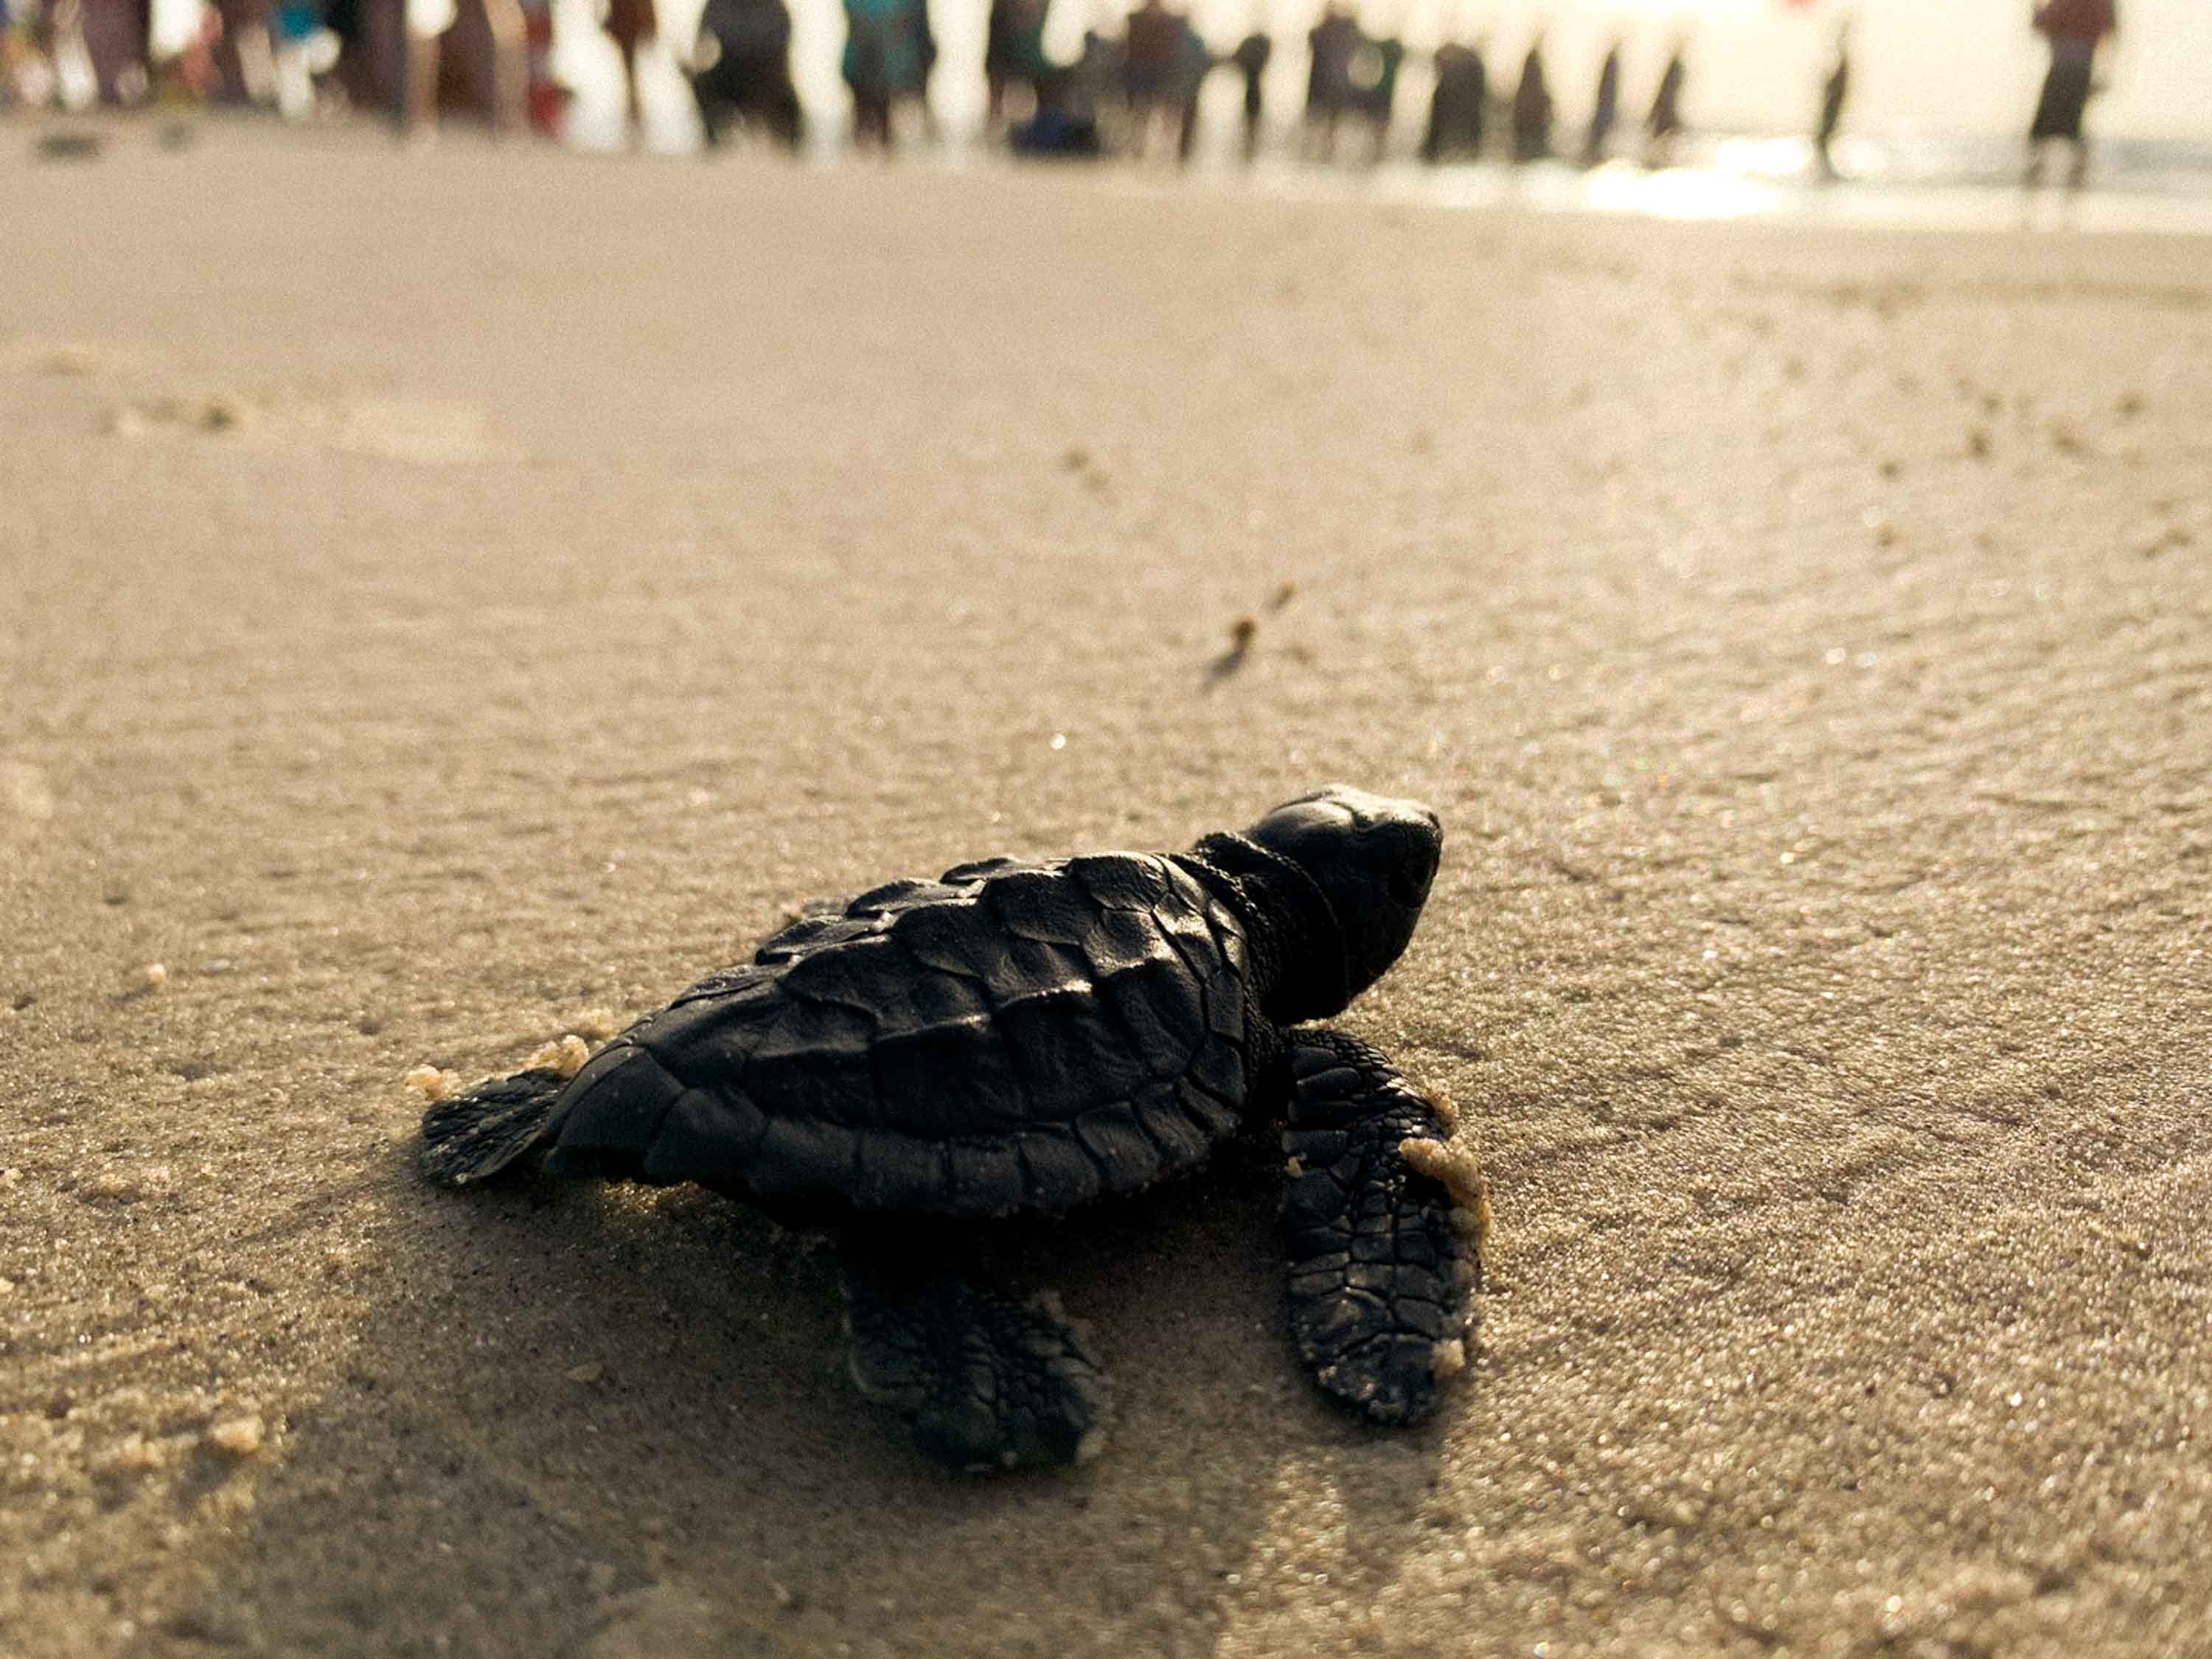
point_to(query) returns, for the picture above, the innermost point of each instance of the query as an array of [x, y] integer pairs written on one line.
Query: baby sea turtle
[[1031, 1037]]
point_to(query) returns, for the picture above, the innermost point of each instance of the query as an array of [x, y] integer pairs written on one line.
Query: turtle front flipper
[[1383, 1219], [983, 1381]]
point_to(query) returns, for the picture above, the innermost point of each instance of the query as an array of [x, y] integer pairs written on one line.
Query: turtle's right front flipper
[[1383, 1219]]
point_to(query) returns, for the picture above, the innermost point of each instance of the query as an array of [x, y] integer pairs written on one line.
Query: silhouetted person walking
[[750, 80], [2075, 28], [1250, 58], [882, 64], [1155, 67], [1332, 41], [1456, 107], [1833, 95], [1665, 122], [1532, 108], [115, 34], [1604, 113], [1013, 54]]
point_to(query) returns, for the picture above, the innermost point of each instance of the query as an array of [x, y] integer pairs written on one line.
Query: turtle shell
[[1008, 1036]]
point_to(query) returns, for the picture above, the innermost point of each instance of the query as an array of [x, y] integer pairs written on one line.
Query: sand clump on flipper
[[1029, 1037]]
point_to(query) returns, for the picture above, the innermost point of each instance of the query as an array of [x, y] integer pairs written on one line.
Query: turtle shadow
[[594, 1420]]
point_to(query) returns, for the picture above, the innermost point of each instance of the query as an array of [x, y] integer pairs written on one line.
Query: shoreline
[[1752, 187]]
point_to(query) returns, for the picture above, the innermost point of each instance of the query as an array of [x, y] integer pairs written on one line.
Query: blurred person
[[10, 54], [546, 97], [1013, 55], [1153, 60], [1375, 91], [925, 52], [192, 73], [1250, 59], [1532, 108], [743, 73], [1459, 104], [116, 35], [1604, 112], [883, 65], [1071, 99], [363, 78], [1331, 44], [245, 57], [14, 52], [1834, 93], [1663, 126], [632, 25], [298, 41], [2074, 29], [1065, 124], [491, 43], [1193, 63]]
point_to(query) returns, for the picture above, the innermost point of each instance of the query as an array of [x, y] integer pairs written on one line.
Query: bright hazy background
[[1936, 67]]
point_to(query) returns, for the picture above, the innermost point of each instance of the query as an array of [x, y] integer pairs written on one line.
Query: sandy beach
[[454, 597]]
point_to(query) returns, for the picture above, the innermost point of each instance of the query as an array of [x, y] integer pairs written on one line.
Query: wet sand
[[452, 593]]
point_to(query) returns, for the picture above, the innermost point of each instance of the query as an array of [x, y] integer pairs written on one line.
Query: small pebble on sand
[[565, 1056], [240, 1437], [154, 974], [433, 1084], [590, 1371]]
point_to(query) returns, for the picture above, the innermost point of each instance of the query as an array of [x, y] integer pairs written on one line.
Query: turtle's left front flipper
[[1383, 1218]]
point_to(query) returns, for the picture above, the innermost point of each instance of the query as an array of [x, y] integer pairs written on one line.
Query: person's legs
[[426, 23], [244, 56], [115, 32], [510, 35], [420, 100]]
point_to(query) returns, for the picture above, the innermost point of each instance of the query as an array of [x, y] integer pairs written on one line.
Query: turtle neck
[[1298, 948]]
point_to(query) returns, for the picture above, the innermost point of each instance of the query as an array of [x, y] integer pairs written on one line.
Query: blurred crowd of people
[[1121, 88], [297, 56], [1116, 96]]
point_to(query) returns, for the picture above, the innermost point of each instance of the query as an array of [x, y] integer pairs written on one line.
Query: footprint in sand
[[73, 359], [426, 432]]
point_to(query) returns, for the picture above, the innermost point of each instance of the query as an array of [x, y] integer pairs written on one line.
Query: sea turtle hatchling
[[1031, 1037]]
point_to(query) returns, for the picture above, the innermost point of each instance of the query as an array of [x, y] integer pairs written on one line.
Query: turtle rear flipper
[[482, 1131], [1383, 1221]]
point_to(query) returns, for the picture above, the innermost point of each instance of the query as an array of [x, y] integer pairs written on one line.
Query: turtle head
[[1373, 859]]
